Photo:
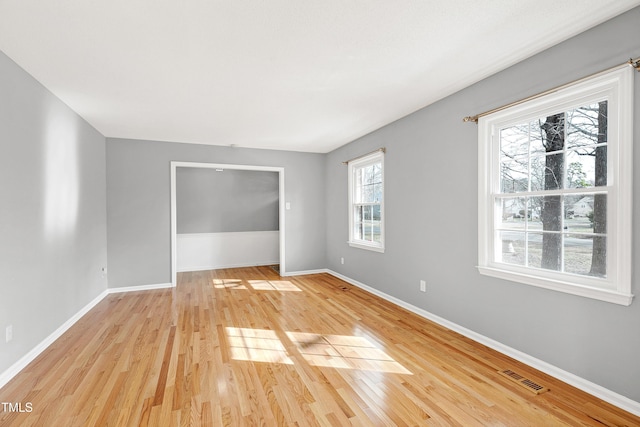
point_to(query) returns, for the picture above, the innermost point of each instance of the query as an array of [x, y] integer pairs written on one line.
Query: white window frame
[[617, 87], [354, 166]]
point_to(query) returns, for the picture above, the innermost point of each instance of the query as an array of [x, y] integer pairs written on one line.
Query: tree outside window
[[555, 189]]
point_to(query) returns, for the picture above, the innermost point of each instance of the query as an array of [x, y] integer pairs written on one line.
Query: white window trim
[[617, 87], [375, 157]]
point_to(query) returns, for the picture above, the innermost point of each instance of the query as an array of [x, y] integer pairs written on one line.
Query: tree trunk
[[553, 179], [599, 255]]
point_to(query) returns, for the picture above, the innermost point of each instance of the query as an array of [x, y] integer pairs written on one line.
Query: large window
[[555, 189], [366, 202]]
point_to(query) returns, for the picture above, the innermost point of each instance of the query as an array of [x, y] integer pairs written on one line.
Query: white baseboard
[[569, 378], [218, 267], [14, 369], [139, 288], [305, 272]]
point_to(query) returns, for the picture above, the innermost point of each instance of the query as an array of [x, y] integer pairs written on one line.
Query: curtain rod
[[383, 149], [635, 63]]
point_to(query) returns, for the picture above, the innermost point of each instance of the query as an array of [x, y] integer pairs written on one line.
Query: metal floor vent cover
[[524, 382]]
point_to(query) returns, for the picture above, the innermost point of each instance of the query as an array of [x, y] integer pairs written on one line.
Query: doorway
[[220, 166]]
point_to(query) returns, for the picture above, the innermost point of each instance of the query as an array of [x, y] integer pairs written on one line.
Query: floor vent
[[524, 382]]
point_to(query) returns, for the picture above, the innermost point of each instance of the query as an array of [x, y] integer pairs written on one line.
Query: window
[[366, 202], [555, 189]]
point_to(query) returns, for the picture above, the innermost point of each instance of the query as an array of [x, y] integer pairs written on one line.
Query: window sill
[[608, 295], [360, 245]]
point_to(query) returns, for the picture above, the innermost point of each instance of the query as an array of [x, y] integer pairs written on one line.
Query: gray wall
[[431, 223], [53, 214], [138, 200], [210, 201]]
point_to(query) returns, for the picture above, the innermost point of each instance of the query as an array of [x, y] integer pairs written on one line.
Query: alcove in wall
[[226, 216]]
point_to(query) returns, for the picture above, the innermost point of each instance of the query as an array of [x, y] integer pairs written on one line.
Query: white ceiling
[[298, 75]]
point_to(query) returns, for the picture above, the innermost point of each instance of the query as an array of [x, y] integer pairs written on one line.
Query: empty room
[[296, 213]]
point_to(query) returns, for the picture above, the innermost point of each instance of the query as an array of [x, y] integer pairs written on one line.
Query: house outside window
[[555, 189], [366, 202]]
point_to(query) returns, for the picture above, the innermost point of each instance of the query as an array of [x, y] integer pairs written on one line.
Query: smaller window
[[366, 202]]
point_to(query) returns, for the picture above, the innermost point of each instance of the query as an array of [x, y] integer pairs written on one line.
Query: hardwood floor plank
[[237, 347]]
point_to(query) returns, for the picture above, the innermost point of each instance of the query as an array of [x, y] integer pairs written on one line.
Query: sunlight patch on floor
[[258, 285], [344, 351], [332, 351], [229, 284], [256, 345], [273, 285]]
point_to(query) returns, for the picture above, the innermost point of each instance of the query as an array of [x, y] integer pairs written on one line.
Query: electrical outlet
[[423, 286], [342, 260], [103, 270], [9, 333]]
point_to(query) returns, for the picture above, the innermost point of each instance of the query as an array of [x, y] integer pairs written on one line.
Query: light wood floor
[[246, 347]]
